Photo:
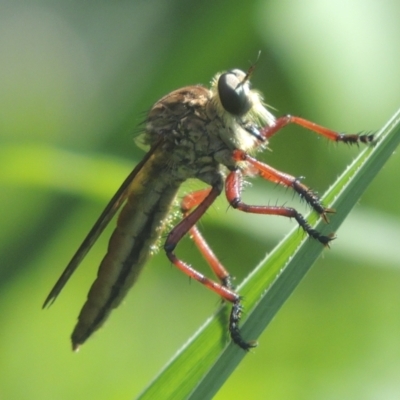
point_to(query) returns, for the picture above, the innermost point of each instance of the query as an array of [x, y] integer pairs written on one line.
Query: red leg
[[233, 185], [188, 203], [281, 178], [203, 199], [269, 131]]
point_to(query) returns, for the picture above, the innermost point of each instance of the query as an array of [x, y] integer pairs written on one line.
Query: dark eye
[[232, 94]]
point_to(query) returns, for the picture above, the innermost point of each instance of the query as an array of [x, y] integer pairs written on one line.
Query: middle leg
[[233, 188]]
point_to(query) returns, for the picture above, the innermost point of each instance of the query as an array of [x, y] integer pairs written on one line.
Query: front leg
[[281, 122]]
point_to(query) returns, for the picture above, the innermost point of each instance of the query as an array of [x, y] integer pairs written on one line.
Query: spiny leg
[[233, 187], [204, 201], [233, 194], [269, 131]]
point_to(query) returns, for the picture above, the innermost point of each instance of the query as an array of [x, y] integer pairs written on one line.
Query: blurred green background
[[76, 79]]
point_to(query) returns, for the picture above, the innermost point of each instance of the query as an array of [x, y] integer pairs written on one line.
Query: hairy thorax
[[198, 136]]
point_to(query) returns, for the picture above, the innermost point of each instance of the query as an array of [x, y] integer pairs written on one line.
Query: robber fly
[[193, 132]]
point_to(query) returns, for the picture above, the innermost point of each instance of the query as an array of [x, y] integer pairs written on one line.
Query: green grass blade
[[202, 366]]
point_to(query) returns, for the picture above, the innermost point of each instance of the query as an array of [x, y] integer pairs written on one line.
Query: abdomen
[[139, 226]]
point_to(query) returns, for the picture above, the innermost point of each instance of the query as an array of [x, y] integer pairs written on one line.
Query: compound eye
[[232, 93]]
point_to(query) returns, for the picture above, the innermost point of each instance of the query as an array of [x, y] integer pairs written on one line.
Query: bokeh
[[76, 80]]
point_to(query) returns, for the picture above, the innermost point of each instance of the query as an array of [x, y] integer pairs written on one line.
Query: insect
[[193, 132]]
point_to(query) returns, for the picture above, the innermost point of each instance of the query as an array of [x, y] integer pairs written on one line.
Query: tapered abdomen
[[139, 226]]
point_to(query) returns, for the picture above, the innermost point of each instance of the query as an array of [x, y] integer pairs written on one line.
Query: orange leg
[[269, 131], [233, 185], [188, 203], [203, 200]]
